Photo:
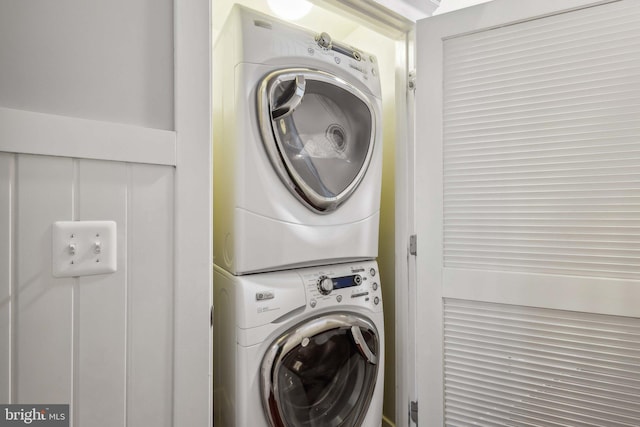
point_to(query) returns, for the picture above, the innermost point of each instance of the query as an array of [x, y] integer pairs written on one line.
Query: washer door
[[321, 373], [319, 132]]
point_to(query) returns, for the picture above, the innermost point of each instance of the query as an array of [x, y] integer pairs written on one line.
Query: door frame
[[193, 385]]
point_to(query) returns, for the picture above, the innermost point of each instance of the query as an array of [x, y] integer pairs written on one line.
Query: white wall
[[105, 344], [106, 60]]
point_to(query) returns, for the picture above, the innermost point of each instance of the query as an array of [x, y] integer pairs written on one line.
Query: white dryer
[[297, 147], [299, 348]]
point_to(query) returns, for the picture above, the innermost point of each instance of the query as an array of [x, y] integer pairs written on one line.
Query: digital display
[[346, 281]]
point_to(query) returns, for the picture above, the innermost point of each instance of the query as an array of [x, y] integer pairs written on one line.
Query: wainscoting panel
[[101, 303], [44, 305], [102, 343]]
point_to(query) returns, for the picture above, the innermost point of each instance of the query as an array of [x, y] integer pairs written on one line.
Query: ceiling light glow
[[290, 10]]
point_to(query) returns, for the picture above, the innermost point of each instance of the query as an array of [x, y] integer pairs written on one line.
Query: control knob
[[324, 40], [325, 285]]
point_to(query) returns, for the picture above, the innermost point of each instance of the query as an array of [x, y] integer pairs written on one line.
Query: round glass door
[[319, 132], [322, 373]]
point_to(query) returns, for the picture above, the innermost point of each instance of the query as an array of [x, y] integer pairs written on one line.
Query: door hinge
[[211, 316], [413, 244], [413, 411], [411, 80]]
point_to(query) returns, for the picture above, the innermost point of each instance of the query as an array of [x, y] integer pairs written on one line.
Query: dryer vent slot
[[290, 314]]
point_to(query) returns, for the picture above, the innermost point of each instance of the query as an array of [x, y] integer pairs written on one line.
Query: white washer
[[299, 347], [297, 147]]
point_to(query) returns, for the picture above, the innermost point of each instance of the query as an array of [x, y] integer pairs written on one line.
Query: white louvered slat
[[542, 145], [518, 366]]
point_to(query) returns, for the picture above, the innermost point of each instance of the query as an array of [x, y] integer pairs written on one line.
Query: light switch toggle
[[83, 248]]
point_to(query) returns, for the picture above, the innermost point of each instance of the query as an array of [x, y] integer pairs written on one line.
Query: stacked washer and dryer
[[298, 322]]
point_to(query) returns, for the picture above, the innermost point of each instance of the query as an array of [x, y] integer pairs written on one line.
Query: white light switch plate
[[84, 248]]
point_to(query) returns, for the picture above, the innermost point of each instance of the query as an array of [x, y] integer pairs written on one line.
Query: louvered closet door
[[528, 215]]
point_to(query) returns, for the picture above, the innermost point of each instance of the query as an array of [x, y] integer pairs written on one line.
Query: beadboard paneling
[[44, 304], [6, 232], [150, 297], [102, 343], [101, 303]]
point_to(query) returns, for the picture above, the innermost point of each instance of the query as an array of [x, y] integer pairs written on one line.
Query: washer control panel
[[348, 284]]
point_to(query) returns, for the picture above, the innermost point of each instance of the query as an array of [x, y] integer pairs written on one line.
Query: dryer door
[[319, 132], [322, 372]]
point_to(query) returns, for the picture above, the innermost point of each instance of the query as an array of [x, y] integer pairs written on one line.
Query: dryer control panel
[[343, 284], [263, 39]]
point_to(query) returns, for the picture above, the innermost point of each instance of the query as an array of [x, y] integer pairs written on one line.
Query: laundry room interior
[[382, 213]]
